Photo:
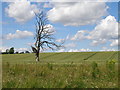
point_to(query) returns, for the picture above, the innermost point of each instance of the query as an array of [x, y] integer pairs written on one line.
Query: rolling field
[[66, 57], [61, 70]]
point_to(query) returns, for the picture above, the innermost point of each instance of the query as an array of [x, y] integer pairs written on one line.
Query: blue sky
[[81, 25]]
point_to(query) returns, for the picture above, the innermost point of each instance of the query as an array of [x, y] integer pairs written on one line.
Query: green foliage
[[60, 70], [4, 53], [61, 58], [70, 76], [11, 51], [111, 68], [7, 51], [95, 70], [111, 64]]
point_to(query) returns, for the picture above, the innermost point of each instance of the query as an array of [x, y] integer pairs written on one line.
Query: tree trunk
[[37, 57]]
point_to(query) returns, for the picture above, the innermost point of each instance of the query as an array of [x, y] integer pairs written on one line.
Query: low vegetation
[[61, 70]]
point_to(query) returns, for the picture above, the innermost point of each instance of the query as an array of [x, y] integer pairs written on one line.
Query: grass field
[[61, 70]]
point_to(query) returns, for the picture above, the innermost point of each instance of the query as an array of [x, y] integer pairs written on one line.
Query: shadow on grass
[[90, 56]]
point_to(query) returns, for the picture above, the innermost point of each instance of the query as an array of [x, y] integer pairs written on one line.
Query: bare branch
[[44, 36]]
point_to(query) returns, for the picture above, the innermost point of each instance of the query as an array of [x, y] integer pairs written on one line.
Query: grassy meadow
[[61, 70]]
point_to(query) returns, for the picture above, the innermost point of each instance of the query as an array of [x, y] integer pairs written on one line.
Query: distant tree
[[44, 35], [7, 51], [11, 51], [16, 52], [27, 52], [4, 53]]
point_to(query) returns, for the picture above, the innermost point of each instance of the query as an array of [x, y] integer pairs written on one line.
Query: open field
[[66, 57], [61, 70]]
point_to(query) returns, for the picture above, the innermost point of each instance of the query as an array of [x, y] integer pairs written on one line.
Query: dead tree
[[44, 35]]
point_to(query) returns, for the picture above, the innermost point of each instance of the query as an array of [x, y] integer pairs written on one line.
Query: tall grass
[[61, 70], [51, 75]]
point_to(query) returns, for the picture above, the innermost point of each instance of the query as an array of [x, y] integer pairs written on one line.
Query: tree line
[[12, 51]]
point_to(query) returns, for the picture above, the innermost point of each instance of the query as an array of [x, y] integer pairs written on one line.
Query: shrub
[[11, 51], [95, 70], [110, 65]]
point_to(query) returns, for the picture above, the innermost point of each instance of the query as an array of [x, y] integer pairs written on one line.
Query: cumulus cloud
[[49, 28], [101, 41], [18, 34], [80, 35], [3, 49], [106, 30], [21, 10], [85, 50], [114, 42], [77, 13], [80, 50], [108, 49], [74, 50]]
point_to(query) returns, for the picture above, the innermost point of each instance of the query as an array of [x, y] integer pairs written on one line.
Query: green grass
[[61, 70], [66, 57]]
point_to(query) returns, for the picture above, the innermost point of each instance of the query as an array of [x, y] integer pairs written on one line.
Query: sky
[[84, 26]]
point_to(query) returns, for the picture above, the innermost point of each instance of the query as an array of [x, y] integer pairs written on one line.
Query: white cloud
[[61, 50], [85, 50], [18, 34], [108, 49], [80, 35], [3, 49], [21, 49], [21, 10], [77, 13], [65, 0], [105, 31], [73, 50], [114, 42], [49, 28], [101, 41], [80, 50]]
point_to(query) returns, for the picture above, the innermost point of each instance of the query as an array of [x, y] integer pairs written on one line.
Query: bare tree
[[44, 35]]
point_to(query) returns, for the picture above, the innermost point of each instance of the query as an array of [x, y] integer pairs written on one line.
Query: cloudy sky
[[85, 26]]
